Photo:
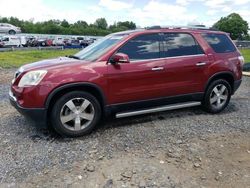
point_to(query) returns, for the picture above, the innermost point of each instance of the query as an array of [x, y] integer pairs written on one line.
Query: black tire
[[12, 32], [210, 94], [59, 105]]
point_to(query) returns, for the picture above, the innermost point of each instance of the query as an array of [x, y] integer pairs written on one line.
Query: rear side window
[[142, 47], [180, 44], [219, 42]]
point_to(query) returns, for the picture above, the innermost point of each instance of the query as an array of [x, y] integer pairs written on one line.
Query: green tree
[[101, 23], [127, 24], [65, 24], [99, 28], [81, 24], [233, 24]]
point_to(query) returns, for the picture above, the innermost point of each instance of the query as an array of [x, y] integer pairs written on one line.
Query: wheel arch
[[226, 75], [11, 30], [87, 87]]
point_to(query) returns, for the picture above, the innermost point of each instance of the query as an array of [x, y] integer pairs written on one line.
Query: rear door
[[144, 77], [186, 64]]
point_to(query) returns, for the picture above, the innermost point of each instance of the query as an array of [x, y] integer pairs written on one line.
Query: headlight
[[32, 78]]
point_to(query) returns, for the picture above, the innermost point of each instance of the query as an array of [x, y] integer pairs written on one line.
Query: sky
[[142, 12]]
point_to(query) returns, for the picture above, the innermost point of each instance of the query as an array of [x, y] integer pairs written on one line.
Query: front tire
[[75, 114], [217, 96]]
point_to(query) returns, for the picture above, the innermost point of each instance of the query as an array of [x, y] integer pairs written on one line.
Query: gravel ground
[[181, 148]]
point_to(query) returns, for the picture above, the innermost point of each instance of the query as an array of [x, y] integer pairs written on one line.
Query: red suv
[[130, 73]]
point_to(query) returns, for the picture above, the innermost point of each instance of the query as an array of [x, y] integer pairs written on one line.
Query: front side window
[[219, 42], [97, 49], [142, 47], [180, 44]]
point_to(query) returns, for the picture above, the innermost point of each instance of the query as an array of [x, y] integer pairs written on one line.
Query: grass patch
[[19, 58], [246, 54]]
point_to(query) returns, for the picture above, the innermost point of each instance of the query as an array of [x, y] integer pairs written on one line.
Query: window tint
[[142, 47], [219, 42], [180, 44]]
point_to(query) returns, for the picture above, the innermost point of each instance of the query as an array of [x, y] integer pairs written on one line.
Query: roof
[[158, 29]]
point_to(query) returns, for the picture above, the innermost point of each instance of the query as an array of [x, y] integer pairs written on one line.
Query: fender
[[218, 74], [70, 85]]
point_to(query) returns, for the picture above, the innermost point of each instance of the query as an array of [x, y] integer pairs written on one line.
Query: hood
[[49, 63]]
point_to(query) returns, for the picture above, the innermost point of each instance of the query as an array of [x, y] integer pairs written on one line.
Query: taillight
[[241, 59]]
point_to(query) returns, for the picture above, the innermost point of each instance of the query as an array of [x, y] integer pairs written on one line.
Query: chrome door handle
[[157, 68], [201, 63]]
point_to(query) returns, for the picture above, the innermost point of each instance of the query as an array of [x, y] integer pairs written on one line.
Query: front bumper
[[37, 115]]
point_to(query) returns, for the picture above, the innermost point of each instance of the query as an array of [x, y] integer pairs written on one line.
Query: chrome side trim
[[158, 109], [162, 58]]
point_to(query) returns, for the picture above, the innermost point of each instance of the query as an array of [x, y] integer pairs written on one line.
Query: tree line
[[98, 28], [233, 24]]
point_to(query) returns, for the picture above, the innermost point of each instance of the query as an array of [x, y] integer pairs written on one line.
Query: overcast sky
[[142, 12]]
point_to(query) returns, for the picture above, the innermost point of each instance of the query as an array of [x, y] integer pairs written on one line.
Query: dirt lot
[[182, 148]]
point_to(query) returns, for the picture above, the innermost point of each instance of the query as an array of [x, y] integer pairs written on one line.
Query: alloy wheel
[[219, 96], [77, 114]]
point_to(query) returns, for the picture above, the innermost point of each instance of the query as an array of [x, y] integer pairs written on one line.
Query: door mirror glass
[[119, 58]]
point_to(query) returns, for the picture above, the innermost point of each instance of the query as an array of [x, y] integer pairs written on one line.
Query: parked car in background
[[31, 42], [85, 43], [72, 43], [9, 29], [127, 74], [75, 42], [67, 42], [11, 41], [45, 42], [58, 41]]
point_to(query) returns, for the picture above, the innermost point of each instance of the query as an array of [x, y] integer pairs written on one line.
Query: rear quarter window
[[219, 42]]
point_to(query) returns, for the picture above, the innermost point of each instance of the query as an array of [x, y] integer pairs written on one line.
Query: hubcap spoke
[[213, 100], [84, 105], [223, 88], [216, 91], [67, 118], [77, 123], [87, 116], [223, 97], [218, 102], [71, 106]]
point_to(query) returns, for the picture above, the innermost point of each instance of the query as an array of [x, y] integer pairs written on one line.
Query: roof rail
[[199, 27]]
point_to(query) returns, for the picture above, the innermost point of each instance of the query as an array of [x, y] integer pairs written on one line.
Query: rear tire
[[217, 96], [75, 114]]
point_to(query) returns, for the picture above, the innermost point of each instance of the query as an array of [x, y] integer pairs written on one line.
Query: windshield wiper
[[72, 56]]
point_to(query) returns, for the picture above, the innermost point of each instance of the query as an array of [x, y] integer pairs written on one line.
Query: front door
[[141, 79]]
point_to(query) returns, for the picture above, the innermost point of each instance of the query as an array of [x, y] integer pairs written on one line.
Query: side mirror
[[119, 58]]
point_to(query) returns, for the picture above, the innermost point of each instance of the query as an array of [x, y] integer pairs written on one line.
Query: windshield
[[100, 47]]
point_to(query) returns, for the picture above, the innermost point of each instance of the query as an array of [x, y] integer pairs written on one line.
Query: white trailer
[[14, 41]]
